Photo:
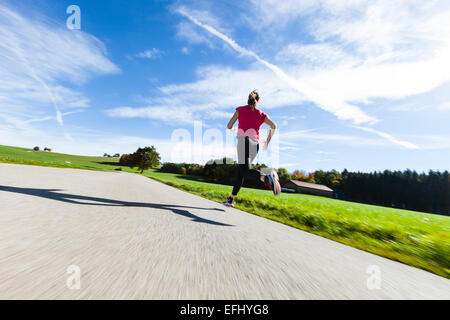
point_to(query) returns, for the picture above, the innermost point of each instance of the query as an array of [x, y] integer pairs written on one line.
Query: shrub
[[170, 167], [225, 173], [195, 169], [128, 160], [208, 169]]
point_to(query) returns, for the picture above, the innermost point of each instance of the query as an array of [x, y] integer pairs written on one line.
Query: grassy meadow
[[51, 159], [419, 239]]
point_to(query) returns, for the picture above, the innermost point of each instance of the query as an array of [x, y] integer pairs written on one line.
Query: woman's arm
[[233, 120], [273, 126]]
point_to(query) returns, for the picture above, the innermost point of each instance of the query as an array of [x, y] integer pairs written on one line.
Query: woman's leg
[[247, 151], [253, 151], [242, 169]]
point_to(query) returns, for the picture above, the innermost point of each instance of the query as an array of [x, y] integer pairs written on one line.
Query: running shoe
[[272, 183], [229, 202]]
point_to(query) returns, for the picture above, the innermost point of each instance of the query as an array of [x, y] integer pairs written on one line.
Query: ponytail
[[253, 97]]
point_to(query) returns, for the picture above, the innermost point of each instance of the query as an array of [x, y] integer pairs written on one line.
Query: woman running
[[250, 120]]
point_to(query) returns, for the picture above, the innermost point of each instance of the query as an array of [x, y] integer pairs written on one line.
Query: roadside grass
[[418, 239]]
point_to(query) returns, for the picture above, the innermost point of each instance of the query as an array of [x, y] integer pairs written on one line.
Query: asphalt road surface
[[124, 236]]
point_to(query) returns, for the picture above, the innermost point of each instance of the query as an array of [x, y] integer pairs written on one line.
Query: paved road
[[134, 238]]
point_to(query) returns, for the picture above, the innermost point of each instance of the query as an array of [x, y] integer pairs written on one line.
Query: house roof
[[310, 185]]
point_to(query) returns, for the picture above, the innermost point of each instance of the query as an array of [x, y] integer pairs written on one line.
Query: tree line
[[426, 192]]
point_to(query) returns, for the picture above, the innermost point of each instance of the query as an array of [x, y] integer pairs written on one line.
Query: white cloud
[[287, 117], [297, 137], [432, 142], [275, 15], [215, 95], [216, 114], [189, 33], [288, 165], [52, 51], [324, 160], [171, 115], [37, 56], [371, 49], [387, 80], [445, 106], [289, 148], [227, 87], [325, 152], [383, 28], [313, 56], [149, 54]]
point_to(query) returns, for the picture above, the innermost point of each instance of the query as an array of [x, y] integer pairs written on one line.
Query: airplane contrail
[[389, 137], [32, 73]]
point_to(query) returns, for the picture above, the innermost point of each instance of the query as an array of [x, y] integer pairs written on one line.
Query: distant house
[[309, 188]]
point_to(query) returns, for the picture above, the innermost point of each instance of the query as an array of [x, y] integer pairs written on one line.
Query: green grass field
[[59, 160], [415, 238]]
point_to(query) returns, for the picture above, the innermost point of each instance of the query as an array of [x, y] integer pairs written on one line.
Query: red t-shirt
[[250, 121]]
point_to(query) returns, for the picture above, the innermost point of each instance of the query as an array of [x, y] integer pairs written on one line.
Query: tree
[[303, 176], [328, 178], [283, 176], [143, 158], [147, 158]]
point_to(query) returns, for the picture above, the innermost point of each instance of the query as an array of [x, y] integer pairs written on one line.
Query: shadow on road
[[71, 198]]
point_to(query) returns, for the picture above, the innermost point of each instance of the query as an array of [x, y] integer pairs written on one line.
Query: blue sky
[[362, 85]]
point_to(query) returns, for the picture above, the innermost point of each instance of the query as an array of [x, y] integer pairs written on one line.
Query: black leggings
[[247, 151]]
